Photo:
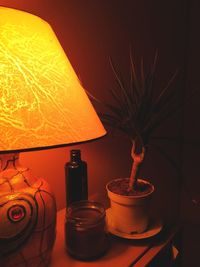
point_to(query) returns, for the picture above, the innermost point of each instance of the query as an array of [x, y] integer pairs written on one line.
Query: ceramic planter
[[130, 213]]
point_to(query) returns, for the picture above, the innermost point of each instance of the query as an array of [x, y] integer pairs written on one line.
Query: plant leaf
[[92, 97], [135, 83], [159, 101], [125, 97]]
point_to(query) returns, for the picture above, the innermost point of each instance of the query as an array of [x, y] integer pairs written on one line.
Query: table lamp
[[42, 105]]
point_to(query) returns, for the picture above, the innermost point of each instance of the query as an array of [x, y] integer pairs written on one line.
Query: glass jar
[[85, 234]]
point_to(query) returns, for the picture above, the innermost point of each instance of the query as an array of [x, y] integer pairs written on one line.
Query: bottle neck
[[75, 155]]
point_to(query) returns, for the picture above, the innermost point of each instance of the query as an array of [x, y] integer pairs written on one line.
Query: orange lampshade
[[42, 103]]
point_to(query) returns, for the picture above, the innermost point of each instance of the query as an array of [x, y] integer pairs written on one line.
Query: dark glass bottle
[[76, 178]]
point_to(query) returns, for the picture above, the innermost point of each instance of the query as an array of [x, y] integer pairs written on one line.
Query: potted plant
[[137, 113]]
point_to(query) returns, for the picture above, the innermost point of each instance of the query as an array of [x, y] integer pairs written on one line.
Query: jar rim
[[85, 205]]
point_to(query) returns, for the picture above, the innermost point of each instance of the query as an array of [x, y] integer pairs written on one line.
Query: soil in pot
[[120, 187]]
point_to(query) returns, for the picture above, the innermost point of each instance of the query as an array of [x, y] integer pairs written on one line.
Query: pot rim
[[132, 197]]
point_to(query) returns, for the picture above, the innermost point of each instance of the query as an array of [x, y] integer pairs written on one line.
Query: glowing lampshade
[[42, 103]]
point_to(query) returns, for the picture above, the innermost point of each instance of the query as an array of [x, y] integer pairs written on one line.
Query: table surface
[[122, 252]]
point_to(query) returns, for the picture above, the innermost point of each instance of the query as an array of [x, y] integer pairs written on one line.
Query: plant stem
[[137, 160], [133, 177]]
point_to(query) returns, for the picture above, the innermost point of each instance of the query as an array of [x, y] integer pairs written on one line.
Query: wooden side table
[[122, 252]]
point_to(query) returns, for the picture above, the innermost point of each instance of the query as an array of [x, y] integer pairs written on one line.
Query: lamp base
[[27, 216]]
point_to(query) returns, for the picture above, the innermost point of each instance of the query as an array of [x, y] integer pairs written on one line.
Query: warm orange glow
[[41, 100]]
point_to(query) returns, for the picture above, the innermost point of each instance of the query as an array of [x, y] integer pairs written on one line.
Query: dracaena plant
[[137, 111]]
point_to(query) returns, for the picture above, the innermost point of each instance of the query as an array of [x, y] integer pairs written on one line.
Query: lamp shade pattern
[[42, 103]]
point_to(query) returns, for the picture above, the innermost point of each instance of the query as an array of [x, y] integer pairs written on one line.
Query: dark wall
[[190, 205], [92, 31]]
